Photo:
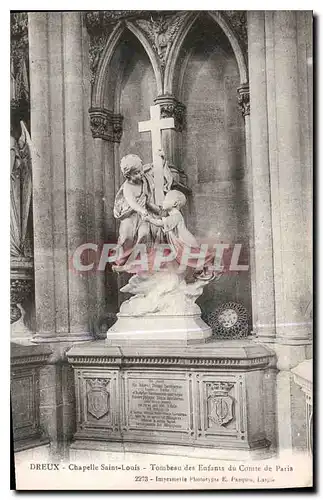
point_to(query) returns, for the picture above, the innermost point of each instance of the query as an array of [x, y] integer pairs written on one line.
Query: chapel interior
[[239, 87]]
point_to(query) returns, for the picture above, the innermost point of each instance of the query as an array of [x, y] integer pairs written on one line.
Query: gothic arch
[[99, 87], [219, 18], [139, 34]]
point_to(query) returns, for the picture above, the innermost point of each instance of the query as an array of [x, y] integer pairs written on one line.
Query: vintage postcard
[[161, 249]]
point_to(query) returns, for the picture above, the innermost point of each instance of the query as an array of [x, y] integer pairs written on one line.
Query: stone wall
[[137, 93], [214, 154]]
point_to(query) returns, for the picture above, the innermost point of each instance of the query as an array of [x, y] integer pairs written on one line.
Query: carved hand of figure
[[143, 213], [156, 209], [162, 212]]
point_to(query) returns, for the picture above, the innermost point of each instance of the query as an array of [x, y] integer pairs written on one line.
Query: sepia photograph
[[161, 249]]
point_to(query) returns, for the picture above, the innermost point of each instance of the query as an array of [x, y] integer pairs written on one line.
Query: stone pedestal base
[[26, 361], [200, 399], [158, 330]]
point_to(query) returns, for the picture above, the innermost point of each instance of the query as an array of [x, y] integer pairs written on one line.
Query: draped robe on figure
[[133, 229]]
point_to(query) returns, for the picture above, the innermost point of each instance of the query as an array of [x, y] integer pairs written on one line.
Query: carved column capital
[[105, 124], [244, 99], [170, 107], [21, 284]]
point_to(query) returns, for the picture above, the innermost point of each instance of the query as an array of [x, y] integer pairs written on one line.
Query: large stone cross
[[155, 125]]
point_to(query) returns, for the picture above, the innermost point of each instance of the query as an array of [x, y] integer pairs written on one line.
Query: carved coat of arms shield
[[98, 400], [221, 409]]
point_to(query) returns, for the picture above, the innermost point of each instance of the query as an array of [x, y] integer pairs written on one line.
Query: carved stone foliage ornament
[[99, 26], [219, 402], [20, 290], [105, 124], [98, 398], [99, 20], [174, 110], [100, 23], [19, 71], [96, 45], [229, 321], [238, 21], [161, 29], [19, 56], [244, 99], [170, 107]]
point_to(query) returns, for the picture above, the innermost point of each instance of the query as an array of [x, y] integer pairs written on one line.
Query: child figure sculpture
[[179, 237], [163, 306], [173, 289], [134, 203]]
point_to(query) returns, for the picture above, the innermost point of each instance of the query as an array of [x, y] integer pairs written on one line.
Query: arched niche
[[173, 60], [126, 84], [212, 149], [113, 56], [134, 93], [205, 66]]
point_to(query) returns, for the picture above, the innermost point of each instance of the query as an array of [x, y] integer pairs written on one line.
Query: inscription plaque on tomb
[[158, 404]]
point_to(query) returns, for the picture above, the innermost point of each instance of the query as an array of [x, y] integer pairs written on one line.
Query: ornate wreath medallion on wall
[[229, 321]]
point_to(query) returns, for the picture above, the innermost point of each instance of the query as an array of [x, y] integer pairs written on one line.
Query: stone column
[[293, 290], [244, 104], [279, 45], [61, 208], [42, 174], [75, 150], [106, 128], [281, 95], [263, 242]]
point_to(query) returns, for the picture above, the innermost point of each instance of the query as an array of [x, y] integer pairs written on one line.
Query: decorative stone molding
[[252, 356], [22, 355], [212, 362], [105, 124], [244, 99], [29, 360]]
